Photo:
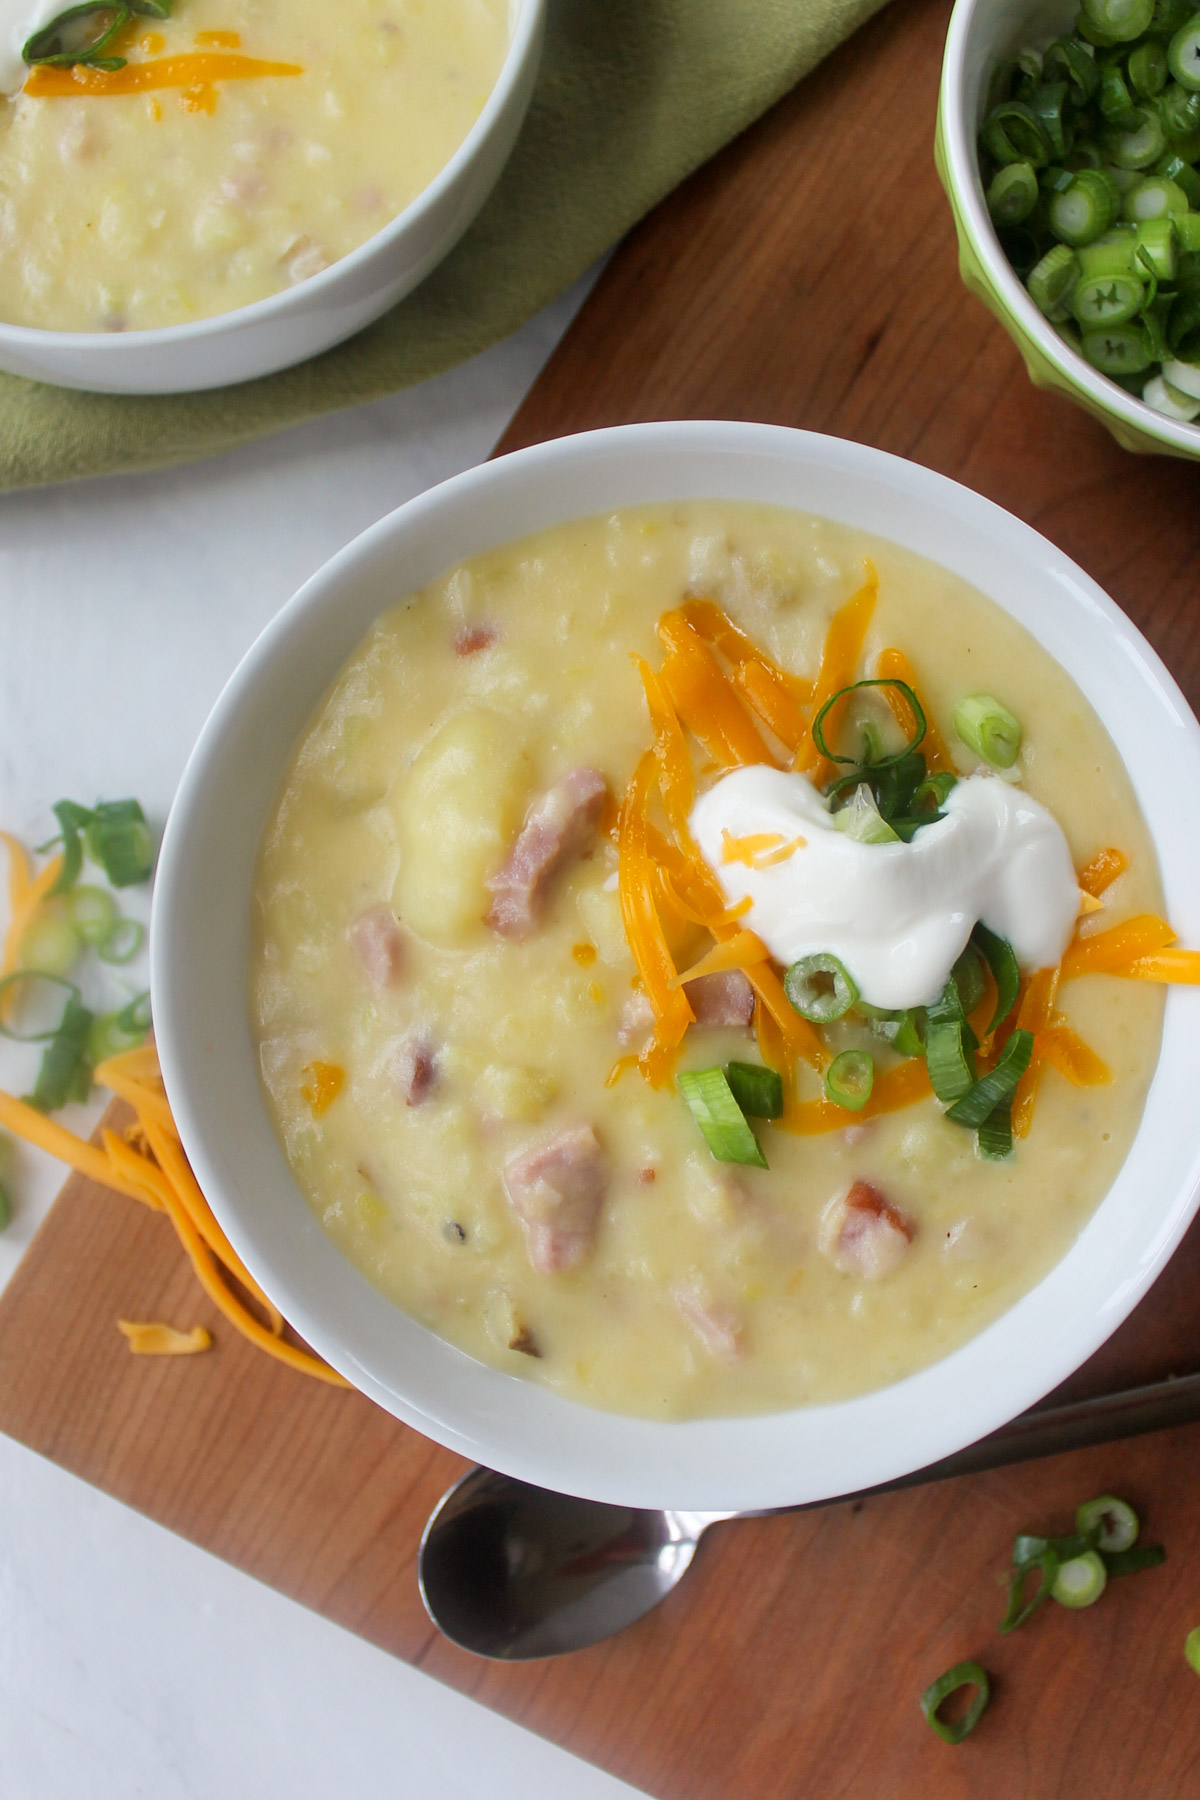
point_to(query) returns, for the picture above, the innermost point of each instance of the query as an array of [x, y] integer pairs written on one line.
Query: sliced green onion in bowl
[[1079, 213], [122, 941], [1183, 55], [1118, 349], [850, 1078], [1184, 376], [1116, 1521], [1012, 193], [757, 1089], [820, 988], [988, 729], [1080, 1582], [710, 1101], [962, 1675], [1052, 281], [1120, 21]]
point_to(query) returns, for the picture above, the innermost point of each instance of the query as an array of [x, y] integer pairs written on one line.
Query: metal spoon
[[511, 1571]]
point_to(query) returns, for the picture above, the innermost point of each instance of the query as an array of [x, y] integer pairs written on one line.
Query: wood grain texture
[[807, 277]]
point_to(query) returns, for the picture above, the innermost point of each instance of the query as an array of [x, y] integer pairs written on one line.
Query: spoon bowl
[[511, 1571]]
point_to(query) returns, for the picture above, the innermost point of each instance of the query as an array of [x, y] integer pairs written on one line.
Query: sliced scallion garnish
[[995, 1136], [711, 1103], [757, 1089], [118, 840], [1022, 1604], [862, 820], [1001, 959], [92, 911], [850, 1078], [988, 729], [1080, 1582], [818, 724], [111, 1035], [80, 34], [65, 1073], [820, 988], [949, 1059], [1115, 1520], [122, 941], [962, 1675], [999, 1084]]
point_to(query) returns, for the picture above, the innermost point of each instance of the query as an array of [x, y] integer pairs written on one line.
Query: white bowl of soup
[[252, 186], [405, 1029]]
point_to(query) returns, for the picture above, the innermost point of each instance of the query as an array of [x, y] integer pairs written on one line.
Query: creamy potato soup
[[245, 146], [479, 1071]]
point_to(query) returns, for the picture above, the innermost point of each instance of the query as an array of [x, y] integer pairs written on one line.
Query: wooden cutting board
[[806, 277]]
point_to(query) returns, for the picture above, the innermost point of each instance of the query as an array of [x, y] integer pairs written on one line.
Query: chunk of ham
[[470, 639], [556, 1189], [862, 1233], [722, 999], [412, 1068], [557, 827], [718, 1327], [379, 945]]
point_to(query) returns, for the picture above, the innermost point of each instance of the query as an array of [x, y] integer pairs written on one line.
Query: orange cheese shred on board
[[893, 665], [191, 70], [154, 1170], [839, 659], [1102, 871], [26, 892], [149, 1338]]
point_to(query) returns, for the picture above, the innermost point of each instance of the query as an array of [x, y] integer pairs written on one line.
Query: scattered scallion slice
[[118, 840], [988, 729], [1134, 1560], [1022, 1604], [962, 1675], [711, 1103], [26, 984], [820, 988], [967, 976], [1080, 1582], [995, 1136], [1117, 1522], [110, 1035], [850, 1078], [5, 1207], [757, 1089], [1191, 1649], [999, 1084], [50, 944], [92, 911], [122, 941], [65, 1073]]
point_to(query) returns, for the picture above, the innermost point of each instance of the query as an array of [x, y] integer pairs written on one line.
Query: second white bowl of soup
[[522, 958], [249, 186]]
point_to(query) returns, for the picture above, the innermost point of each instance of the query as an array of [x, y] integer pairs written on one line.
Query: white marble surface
[[131, 1663]]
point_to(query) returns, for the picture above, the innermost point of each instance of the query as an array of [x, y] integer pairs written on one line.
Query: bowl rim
[[974, 221], [524, 37], [742, 1463]]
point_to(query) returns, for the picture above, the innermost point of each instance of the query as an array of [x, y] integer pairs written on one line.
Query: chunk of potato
[[457, 811]]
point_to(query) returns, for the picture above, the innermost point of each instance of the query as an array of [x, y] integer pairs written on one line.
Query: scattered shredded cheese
[[148, 1338]]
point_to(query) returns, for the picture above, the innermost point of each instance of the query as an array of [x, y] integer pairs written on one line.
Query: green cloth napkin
[[632, 96]]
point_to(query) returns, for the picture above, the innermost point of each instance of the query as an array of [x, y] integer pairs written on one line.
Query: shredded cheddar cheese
[[190, 71], [152, 1339], [324, 1084], [760, 850]]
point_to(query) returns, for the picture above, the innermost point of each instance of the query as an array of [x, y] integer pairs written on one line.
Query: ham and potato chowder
[[692, 956], [241, 145]]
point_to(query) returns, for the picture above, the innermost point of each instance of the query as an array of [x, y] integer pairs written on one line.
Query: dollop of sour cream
[[19, 19], [897, 916]]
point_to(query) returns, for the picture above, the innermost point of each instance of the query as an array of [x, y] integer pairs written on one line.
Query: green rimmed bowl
[[982, 34]]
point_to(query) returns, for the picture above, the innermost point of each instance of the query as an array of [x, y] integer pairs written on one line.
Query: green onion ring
[[963, 1674], [850, 1078], [1080, 1582], [810, 996], [877, 681], [121, 942], [721, 1120], [19, 975], [757, 1089], [1117, 1522], [45, 47]]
